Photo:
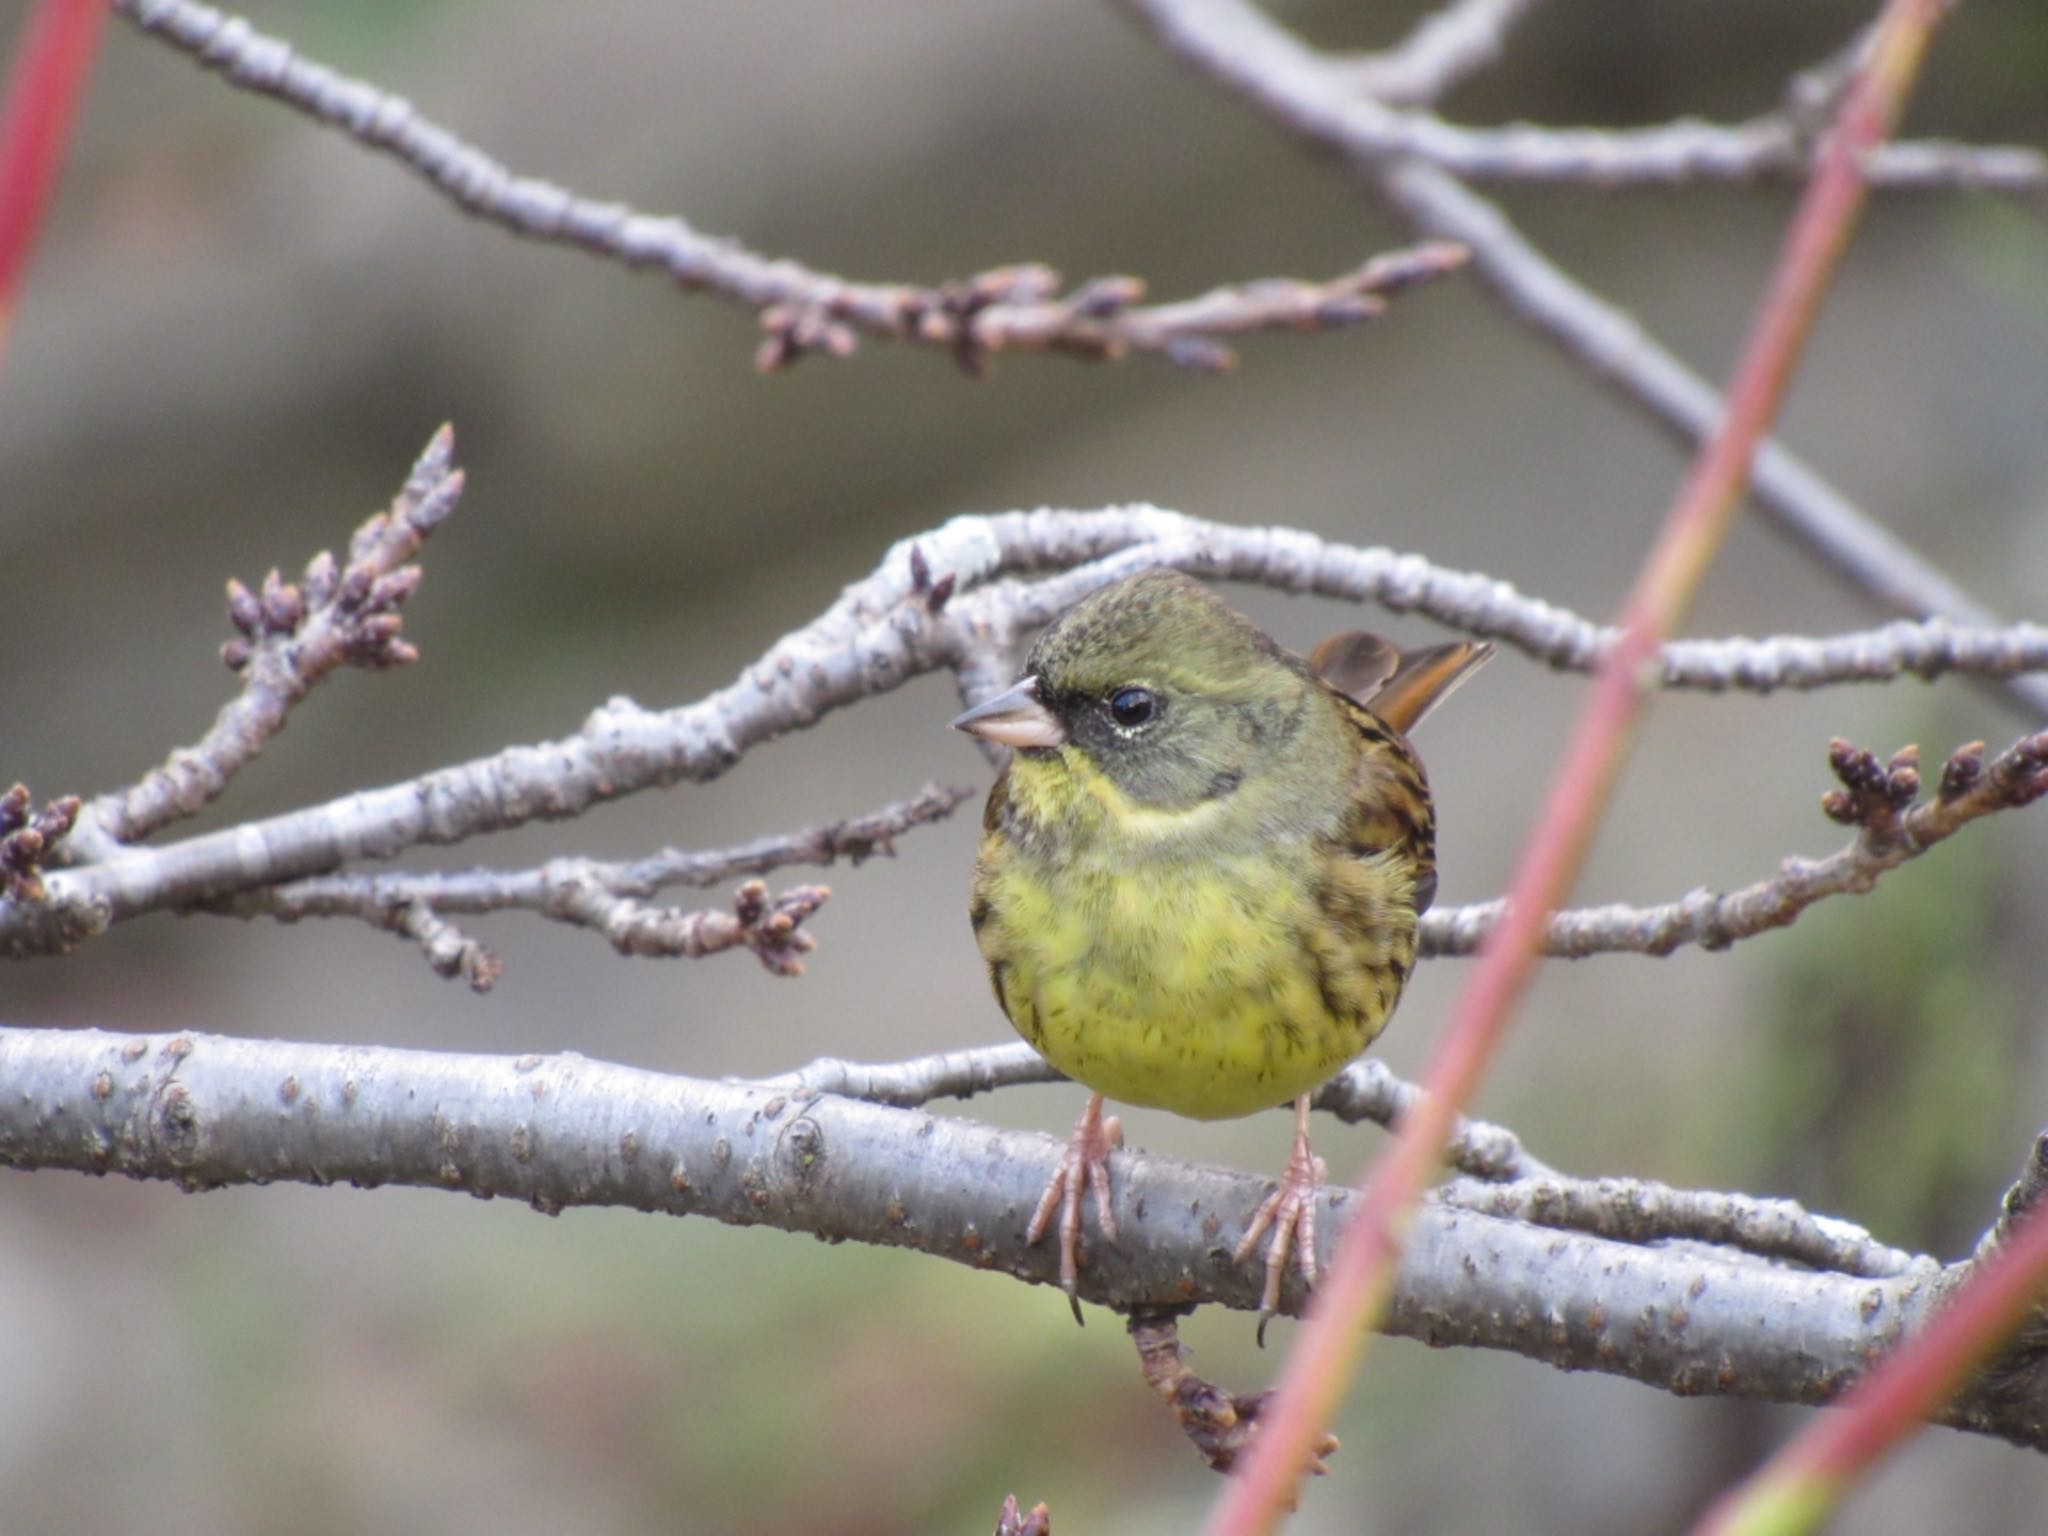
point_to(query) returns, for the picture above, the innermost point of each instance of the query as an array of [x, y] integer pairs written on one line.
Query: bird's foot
[[1085, 1166], [1289, 1213]]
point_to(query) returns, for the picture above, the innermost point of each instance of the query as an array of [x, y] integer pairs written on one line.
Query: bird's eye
[[1131, 707]]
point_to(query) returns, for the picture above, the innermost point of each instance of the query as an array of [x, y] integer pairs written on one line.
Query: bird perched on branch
[[1200, 872]]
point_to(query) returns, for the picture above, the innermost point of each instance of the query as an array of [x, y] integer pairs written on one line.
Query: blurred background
[[241, 328]]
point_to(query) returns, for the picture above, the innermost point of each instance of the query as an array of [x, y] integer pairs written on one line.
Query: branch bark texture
[[210, 1112]]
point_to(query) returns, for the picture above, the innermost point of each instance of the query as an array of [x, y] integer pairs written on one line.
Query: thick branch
[[1008, 309], [207, 1112], [1502, 1178]]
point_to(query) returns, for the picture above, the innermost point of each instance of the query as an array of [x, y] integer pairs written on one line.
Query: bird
[[1200, 874]]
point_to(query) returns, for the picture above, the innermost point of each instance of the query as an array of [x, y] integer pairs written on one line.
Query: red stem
[[44, 85], [1348, 1303]]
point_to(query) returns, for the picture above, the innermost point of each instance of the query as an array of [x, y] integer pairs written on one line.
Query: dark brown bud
[[1964, 768]]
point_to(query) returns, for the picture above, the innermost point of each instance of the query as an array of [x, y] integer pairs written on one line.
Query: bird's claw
[[1084, 1166], [1289, 1212]]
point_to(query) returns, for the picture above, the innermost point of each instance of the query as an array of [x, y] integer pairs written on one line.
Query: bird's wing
[[1400, 687], [1355, 663]]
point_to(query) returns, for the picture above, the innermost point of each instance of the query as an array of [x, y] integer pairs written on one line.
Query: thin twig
[[608, 897], [770, 928], [1370, 1091], [1445, 47], [1644, 1211], [1219, 1423], [294, 634], [1365, 1092], [1688, 152], [1007, 309], [1714, 920]]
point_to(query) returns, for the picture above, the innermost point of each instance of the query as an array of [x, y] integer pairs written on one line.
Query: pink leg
[[1085, 1166], [1290, 1212]]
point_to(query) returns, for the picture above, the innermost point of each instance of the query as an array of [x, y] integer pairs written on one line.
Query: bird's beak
[[1014, 718]]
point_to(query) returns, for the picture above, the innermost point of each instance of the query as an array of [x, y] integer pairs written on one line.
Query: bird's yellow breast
[[1160, 970]]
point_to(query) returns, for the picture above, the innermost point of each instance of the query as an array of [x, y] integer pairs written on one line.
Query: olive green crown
[[1163, 627]]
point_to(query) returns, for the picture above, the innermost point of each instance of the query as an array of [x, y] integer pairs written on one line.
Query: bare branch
[[1314, 98], [1368, 1090], [448, 950], [1219, 1423], [1365, 1091], [559, 1131], [293, 635], [1468, 36], [1690, 151], [769, 928], [915, 1083], [1894, 831], [1501, 1178], [1445, 47], [1013, 309], [607, 897], [1644, 1211]]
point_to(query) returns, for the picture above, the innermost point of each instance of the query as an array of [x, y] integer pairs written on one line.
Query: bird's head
[[1158, 685]]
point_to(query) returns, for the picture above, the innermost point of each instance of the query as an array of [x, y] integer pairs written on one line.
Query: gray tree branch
[[1448, 45], [209, 1112], [1008, 309], [602, 894], [1502, 1178]]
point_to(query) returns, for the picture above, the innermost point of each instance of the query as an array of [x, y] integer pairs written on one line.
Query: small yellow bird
[[1201, 870]]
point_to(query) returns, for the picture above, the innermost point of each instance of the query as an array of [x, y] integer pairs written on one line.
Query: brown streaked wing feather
[[1390, 807], [1424, 679]]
